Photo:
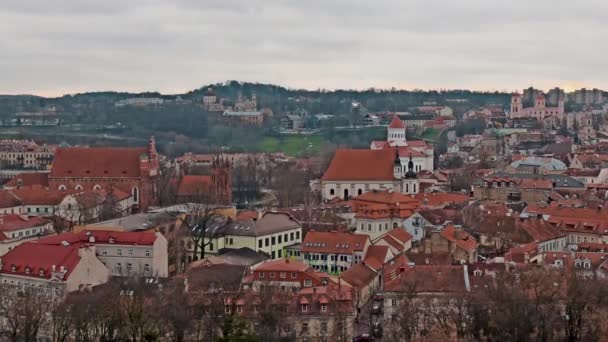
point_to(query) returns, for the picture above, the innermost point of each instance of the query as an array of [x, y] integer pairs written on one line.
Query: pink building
[[538, 111]]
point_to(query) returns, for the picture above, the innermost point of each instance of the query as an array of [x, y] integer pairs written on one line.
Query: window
[[280, 239], [323, 307], [260, 243], [231, 241], [291, 236], [147, 252], [305, 327], [119, 252], [119, 268], [227, 309], [130, 252], [267, 242], [104, 253], [285, 236], [297, 235], [129, 268], [393, 302], [332, 192], [304, 307], [239, 308], [283, 275], [293, 275], [271, 274], [211, 246], [273, 240], [261, 274], [307, 283]]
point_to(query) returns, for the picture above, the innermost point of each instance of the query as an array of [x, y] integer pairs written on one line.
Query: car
[[376, 308], [377, 330], [362, 338]]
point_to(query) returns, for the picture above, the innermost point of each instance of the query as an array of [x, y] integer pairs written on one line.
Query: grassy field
[[295, 146], [431, 134]]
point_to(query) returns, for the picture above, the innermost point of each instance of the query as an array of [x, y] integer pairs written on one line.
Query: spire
[[410, 174], [397, 159], [410, 164]]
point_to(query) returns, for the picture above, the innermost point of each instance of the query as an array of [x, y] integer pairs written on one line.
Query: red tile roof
[[385, 197], [12, 222], [40, 259], [97, 162], [37, 195], [334, 242], [192, 185], [359, 276], [401, 235], [438, 199], [369, 165], [375, 256], [282, 265], [461, 238], [101, 237], [8, 200], [29, 179], [429, 279], [396, 123]]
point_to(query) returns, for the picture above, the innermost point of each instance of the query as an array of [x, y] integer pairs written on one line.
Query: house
[[397, 240], [293, 122], [449, 245], [415, 226], [54, 269], [27, 179], [364, 280], [269, 232], [334, 252], [139, 254], [17, 229], [94, 205], [377, 255], [250, 118], [131, 170], [284, 274]]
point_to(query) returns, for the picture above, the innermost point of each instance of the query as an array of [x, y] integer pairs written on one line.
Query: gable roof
[[461, 238], [376, 255], [100, 237], [358, 276], [12, 222], [8, 200], [372, 165], [97, 162], [37, 195]]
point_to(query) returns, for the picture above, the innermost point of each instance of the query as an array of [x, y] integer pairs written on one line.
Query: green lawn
[[431, 134], [295, 145]]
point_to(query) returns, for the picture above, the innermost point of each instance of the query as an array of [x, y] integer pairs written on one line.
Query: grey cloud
[[75, 45]]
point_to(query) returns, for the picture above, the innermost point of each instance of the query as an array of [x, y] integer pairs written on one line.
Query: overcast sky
[[52, 47]]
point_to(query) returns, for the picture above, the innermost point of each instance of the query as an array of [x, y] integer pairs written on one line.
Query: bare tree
[[24, 311]]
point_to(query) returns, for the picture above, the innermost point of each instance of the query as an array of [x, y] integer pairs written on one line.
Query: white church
[[389, 165]]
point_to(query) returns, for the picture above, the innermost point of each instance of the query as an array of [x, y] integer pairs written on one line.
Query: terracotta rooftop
[[461, 238], [101, 237], [28, 179], [438, 199], [376, 255], [334, 242], [37, 195], [430, 279], [396, 123], [10, 222], [8, 200], [97, 162], [361, 165], [358, 275], [282, 265], [37, 260]]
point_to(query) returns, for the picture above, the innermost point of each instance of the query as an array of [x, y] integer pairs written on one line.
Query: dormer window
[[577, 263], [41, 272], [27, 270], [477, 273], [587, 264], [111, 240], [559, 263], [13, 268], [304, 307]]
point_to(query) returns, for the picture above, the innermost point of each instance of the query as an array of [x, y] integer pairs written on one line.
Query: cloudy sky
[[52, 47]]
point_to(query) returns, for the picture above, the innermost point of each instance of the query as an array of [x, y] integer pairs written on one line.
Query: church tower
[[516, 105], [221, 179], [411, 184], [396, 133]]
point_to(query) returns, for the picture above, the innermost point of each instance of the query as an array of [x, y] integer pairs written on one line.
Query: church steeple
[[410, 174]]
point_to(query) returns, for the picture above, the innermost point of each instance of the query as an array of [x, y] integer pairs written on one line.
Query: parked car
[[362, 338], [377, 330]]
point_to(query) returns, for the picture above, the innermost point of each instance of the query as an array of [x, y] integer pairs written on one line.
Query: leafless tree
[[24, 311]]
